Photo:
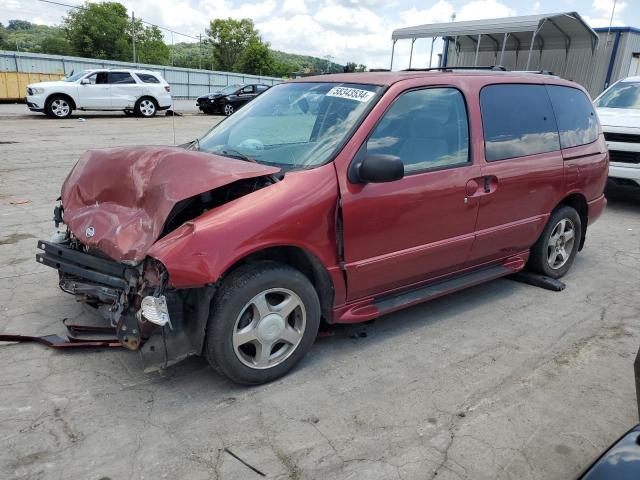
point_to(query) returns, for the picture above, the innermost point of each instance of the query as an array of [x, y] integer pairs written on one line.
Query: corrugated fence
[[185, 82]]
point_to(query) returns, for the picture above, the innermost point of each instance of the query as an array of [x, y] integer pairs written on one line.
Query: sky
[[347, 30]]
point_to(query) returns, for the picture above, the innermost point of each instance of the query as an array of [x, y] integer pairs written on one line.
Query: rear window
[[577, 121], [147, 78], [518, 120]]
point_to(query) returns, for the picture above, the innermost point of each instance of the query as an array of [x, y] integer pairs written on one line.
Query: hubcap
[[60, 108], [228, 109], [147, 108], [269, 328], [561, 243]]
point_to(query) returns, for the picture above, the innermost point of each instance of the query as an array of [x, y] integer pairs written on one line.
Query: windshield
[[75, 77], [292, 125], [621, 95]]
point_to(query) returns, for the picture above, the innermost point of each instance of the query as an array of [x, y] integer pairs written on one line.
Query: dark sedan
[[230, 98]]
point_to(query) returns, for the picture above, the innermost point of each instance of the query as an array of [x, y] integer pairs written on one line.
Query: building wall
[[590, 70], [185, 82]]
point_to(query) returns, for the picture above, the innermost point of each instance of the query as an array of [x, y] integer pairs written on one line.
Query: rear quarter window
[[577, 120], [518, 120], [147, 78]]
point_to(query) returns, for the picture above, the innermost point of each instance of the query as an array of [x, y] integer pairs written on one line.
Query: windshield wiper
[[230, 152]]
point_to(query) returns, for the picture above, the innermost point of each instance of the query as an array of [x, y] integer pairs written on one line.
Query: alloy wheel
[[147, 107], [228, 109], [60, 107], [561, 243], [269, 328]]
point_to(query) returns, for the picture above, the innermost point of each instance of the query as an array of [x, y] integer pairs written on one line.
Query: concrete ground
[[500, 381]]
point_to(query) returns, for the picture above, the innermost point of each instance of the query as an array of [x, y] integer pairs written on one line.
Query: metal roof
[[555, 30]]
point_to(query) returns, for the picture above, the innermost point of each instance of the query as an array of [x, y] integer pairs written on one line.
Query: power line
[[79, 7]]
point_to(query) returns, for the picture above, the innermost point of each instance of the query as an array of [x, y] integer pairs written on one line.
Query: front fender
[[296, 211]]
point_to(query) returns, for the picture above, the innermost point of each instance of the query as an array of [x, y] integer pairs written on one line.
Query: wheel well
[[67, 97], [149, 97], [579, 203], [306, 263]]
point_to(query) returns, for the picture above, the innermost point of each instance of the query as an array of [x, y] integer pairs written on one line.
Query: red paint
[[424, 227], [126, 194]]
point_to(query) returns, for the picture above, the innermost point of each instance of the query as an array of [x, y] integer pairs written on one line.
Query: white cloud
[[438, 13], [480, 9], [294, 7], [347, 19], [605, 7]]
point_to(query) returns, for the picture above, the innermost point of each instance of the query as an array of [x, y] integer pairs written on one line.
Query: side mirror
[[85, 81], [377, 168]]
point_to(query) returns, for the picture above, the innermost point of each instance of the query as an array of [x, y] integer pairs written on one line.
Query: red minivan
[[338, 198]]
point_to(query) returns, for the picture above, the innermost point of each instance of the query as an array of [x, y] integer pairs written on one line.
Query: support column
[[431, 54], [475, 62], [533, 40], [393, 47], [413, 40], [504, 44]]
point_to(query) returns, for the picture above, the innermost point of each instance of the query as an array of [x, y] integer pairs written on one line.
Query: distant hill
[[25, 36]]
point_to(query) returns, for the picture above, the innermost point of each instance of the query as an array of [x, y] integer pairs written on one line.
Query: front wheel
[[264, 319], [59, 107], [146, 107], [228, 109], [553, 254]]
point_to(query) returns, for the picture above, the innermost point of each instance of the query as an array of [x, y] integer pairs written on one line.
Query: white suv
[[139, 92], [619, 110]]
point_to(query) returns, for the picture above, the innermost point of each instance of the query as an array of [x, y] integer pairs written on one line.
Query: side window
[[262, 88], [577, 121], [425, 128], [147, 78], [97, 78], [518, 121], [120, 78], [247, 89]]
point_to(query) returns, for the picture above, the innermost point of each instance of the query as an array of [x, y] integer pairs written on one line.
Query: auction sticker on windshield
[[351, 93]]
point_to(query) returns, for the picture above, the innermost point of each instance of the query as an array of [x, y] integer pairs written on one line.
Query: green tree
[[55, 44], [229, 39], [256, 59], [150, 46], [3, 37], [99, 30]]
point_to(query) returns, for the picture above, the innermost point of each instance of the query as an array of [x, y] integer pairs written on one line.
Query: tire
[[59, 107], [228, 109], [146, 107], [244, 318], [554, 252]]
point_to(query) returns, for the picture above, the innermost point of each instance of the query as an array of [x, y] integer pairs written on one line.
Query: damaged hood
[[117, 200]]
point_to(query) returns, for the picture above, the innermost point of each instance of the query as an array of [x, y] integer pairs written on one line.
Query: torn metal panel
[[118, 200]]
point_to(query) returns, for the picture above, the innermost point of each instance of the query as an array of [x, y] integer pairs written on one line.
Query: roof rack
[[497, 68], [492, 68]]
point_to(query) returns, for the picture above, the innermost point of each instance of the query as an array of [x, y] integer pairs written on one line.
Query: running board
[[392, 303]]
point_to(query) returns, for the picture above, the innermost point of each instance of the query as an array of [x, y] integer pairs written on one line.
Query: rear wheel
[[59, 107], [146, 107], [265, 317], [554, 252]]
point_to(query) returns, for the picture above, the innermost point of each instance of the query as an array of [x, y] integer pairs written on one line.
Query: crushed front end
[[133, 298]]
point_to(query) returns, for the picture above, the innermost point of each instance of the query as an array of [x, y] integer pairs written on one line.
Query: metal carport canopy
[[544, 32]]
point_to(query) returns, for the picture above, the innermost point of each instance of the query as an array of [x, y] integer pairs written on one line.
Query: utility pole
[[133, 34], [200, 56]]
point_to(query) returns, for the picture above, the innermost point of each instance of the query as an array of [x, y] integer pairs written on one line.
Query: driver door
[[423, 225], [246, 94], [97, 93]]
